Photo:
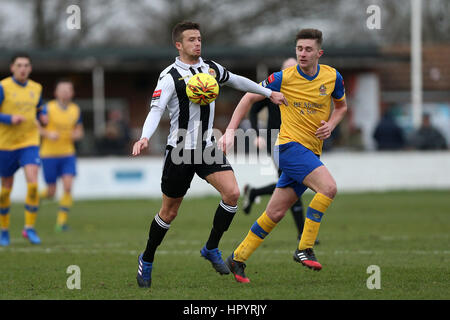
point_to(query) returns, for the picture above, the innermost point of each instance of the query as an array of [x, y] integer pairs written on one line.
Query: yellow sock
[[31, 205], [64, 207], [260, 229], [62, 218], [5, 204], [314, 213]]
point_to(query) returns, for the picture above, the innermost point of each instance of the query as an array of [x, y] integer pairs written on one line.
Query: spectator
[[117, 135], [428, 137], [388, 135]]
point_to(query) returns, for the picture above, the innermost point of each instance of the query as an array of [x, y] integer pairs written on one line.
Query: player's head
[[187, 39], [64, 90], [20, 66], [289, 62], [308, 47], [426, 120]]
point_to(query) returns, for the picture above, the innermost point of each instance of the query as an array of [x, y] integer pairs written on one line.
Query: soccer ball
[[202, 89]]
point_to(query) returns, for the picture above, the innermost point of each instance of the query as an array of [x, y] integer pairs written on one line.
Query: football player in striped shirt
[[64, 128], [310, 88], [20, 108], [191, 134]]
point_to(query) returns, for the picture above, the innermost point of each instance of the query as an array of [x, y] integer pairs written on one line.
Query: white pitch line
[[66, 250]]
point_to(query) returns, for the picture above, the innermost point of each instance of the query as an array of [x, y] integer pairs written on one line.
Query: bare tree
[[225, 22]]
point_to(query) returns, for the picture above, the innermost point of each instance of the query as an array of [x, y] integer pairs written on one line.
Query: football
[[202, 89]]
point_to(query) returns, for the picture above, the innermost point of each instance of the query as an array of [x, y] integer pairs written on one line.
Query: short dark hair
[[63, 80], [183, 26], [20, 55], [314, 34]]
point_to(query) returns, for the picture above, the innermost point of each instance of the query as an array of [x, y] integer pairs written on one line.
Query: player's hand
[[52, 135], [260, 142], [17, 119], [324, 131], [278, 98], [226, 141], [139, 146]]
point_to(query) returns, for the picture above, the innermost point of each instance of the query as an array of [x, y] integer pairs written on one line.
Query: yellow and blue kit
[[19, 144], [309, 102], [58, 156], [297, 151], [309, 99]]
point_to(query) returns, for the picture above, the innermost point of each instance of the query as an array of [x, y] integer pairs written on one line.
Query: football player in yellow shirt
[[58, 149], [20, 108], [306, 121]]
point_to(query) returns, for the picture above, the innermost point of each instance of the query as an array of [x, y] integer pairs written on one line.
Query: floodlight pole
[[416, 62]]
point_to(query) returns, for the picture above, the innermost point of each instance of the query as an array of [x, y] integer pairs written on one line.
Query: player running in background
[[20, 109], [273, 125], [58, 149], [305, 123], [191, 131]]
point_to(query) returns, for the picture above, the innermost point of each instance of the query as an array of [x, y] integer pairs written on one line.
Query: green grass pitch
[[406, 234]]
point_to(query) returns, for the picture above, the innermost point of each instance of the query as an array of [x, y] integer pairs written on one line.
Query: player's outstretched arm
[[227, 140], [245, 84]]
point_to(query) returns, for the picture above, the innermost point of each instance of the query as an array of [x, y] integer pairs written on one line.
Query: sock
[[158, 230], [262, 191], [65, 203], [260, 229], [222, 220], [297, 214], [31, 205], [314, 213], [5, 204]]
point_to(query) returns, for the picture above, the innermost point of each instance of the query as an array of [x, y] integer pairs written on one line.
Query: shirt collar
[[20, 83], [186, 66], [307, 77]]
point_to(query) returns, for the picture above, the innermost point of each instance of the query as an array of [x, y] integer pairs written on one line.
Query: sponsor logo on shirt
[[322, 90], [212, 72], [156, 95]]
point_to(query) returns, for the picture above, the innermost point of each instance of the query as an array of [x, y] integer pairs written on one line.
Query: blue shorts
[[57, 167], [295, 162], [11, 160]]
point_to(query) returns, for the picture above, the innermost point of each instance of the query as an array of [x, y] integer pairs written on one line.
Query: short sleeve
[[40, 104], [2, 94], [339, 89], [80, 119], [273, 82]]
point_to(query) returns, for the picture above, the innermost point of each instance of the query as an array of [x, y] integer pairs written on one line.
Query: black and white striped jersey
[[190, 123]]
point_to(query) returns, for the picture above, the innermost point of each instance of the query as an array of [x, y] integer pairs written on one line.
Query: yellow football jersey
[[20, 99], [62, 120], [309, 99]]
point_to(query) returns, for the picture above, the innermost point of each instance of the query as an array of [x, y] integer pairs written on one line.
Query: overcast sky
[[342, 21]]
